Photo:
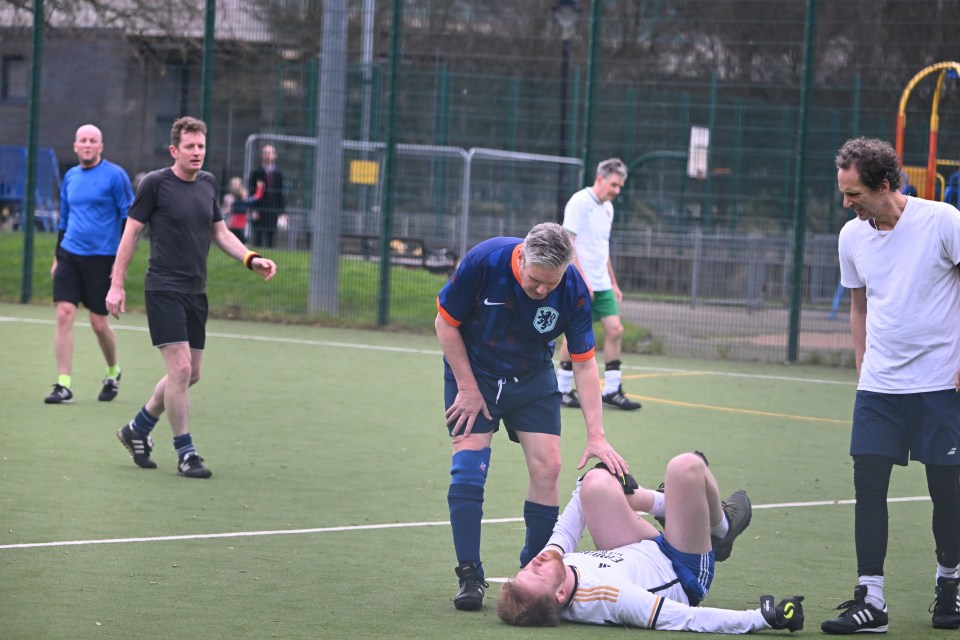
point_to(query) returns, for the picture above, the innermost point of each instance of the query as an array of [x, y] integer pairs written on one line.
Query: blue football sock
[[540, 519], [468, 474], [184, 445], [466, 511], [143, 423]]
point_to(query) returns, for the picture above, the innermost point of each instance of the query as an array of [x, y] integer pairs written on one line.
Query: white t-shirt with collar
[[590, 221]]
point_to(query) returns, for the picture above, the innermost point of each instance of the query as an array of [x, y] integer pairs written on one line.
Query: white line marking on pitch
[[368, 527]]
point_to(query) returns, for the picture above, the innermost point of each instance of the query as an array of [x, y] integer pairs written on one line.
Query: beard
[[554, 561]]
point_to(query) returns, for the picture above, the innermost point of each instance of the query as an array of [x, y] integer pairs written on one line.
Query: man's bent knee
[[686, 463], [600, 480]]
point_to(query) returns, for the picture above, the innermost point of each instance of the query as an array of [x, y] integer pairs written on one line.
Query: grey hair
[[875, 160], [548, 245], [612, 166]]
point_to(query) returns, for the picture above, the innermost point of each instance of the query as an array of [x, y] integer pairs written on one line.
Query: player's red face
[[537, 281], [544, 574], [189, 155]]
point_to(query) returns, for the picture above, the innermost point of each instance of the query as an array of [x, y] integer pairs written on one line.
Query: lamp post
[[565, 12]]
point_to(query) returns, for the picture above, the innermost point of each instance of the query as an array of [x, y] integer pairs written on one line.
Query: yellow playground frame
[[925, 179]]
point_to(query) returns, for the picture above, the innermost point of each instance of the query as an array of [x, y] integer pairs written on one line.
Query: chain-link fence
[[498, 116]]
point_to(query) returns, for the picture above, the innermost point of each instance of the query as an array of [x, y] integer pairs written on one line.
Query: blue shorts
[[920, 426], [529, 403], [695, 570]]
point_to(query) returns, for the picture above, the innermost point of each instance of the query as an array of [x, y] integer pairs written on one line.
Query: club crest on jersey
[[545, 319]]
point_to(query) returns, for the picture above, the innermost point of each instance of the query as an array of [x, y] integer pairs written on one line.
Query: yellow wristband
[[248, 259]]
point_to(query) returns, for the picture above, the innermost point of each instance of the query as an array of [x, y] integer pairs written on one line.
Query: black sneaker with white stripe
[[138, 446], [858, 616], [946, 608], [59, 395], [570, 399], [111, 387], [191, 466], [619, 401], [472, 587]]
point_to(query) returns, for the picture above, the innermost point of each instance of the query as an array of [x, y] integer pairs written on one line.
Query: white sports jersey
[[590, 221], [624, 588], [634, 586], [913, 297]]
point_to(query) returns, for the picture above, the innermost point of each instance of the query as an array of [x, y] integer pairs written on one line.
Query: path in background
[[738, 333]]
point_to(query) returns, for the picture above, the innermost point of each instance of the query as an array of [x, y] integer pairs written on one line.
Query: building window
[[13, 79]]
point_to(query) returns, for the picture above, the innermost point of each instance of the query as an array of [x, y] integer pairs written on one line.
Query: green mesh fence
[[490, 122]]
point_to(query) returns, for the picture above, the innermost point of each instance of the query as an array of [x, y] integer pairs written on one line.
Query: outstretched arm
[[587, 376], [638, 607]]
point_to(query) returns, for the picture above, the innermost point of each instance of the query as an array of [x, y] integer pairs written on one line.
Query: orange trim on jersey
[[655, 612], [582, 357], [595, 594], [515, 261], [453, 322]]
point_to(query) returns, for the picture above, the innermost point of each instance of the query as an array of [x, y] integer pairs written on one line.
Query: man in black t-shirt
[[179, 204]]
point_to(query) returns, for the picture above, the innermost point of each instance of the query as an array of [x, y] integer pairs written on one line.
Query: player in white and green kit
[[588, 218]]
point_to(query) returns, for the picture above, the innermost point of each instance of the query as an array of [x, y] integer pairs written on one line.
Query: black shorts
[[82, 279], [177, 317]]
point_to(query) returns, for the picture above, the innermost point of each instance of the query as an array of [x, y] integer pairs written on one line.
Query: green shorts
[[604, 304]]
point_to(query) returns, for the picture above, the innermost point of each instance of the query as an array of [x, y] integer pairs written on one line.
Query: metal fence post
[[30, 194]]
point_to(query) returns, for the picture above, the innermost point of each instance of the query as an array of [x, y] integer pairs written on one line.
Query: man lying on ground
[[639, 577]]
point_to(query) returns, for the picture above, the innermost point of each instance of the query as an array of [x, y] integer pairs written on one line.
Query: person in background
[[588, 218], [273, 203], [236, 206], [94, 198]]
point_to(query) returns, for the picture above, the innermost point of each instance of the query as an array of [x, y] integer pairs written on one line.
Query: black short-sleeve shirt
[[180, 216]]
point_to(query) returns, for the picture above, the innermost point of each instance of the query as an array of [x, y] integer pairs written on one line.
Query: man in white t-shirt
[[899, 259], [588, 218], [638, 577]]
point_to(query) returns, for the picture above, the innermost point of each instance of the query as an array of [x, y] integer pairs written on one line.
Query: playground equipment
[[927, 179]]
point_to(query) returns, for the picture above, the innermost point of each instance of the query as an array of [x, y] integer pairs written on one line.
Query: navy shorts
[[920, 426], [529, 403], [695, 570], [82, 279], [177, 317]]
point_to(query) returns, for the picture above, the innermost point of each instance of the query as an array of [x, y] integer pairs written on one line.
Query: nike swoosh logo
[[487, 302]]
